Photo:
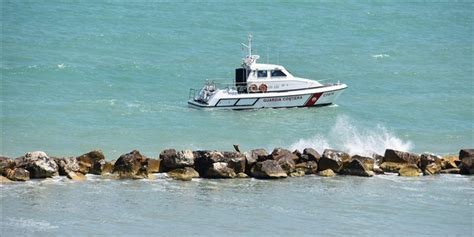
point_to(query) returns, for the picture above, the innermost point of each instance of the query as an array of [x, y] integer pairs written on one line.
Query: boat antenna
[[249, 46], [268, 53]]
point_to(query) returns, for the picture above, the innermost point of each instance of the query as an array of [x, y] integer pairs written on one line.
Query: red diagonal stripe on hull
[[313, 99]]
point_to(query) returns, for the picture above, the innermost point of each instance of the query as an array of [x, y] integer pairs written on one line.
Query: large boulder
[[467, 159], [394, 160], [220, 170], [153, 165], [184, 174], [68, 164], [93, 162], [466, 166], [237, 163], [269, 169], [312, 154], [410, 170], [377, 158], [431, 169], [448, 162], [250, 161], [401, 157], [309, 167], [333, 159], [39, 164], [70, 168], [6, 162], [259, 154], [17, 174], [170, 159], [465, 153], [357, 168], [131, 165], [368, 162], [204, 159], [280, 153], [429, 164], [287, 164]]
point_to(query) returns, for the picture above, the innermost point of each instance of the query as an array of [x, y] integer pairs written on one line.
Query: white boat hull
[[320, 96]]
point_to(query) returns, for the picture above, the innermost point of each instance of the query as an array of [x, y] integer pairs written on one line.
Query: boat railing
[[215, 84]]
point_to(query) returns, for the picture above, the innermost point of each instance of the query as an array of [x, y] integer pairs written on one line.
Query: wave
[[345, 136], [380, 55]]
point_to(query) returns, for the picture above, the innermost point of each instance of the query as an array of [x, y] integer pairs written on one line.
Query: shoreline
[[211, 164]]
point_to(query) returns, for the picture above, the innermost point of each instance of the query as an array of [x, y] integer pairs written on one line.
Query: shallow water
[[308, 206]]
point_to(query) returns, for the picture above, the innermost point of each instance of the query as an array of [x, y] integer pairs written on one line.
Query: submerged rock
[[131, 165], [297, 173], [357, 168], [410, 170], [450, 171], [184, 174], [327, 173], [242, 176], [76, 176], [39, 164], [4, 180], [268, 169], [333, 159]]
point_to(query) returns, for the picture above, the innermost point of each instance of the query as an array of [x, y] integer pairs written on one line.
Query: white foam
[[61, 66], [29, 224], [347, 137], [380, 55]]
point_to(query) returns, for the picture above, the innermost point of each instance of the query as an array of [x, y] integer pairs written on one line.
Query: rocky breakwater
[[258, 163]]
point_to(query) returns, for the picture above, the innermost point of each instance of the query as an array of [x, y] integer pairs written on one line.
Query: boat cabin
[[255, 77]]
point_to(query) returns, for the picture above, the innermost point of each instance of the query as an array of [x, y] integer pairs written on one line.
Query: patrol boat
[[259, 85]]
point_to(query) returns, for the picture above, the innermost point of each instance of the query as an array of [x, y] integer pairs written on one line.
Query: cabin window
[[278, 73], [262, 74]]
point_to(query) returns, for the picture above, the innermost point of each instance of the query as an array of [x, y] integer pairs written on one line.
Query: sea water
[[116, 76]]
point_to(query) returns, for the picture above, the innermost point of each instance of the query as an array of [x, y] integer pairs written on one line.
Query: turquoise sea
[[115, 75]]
